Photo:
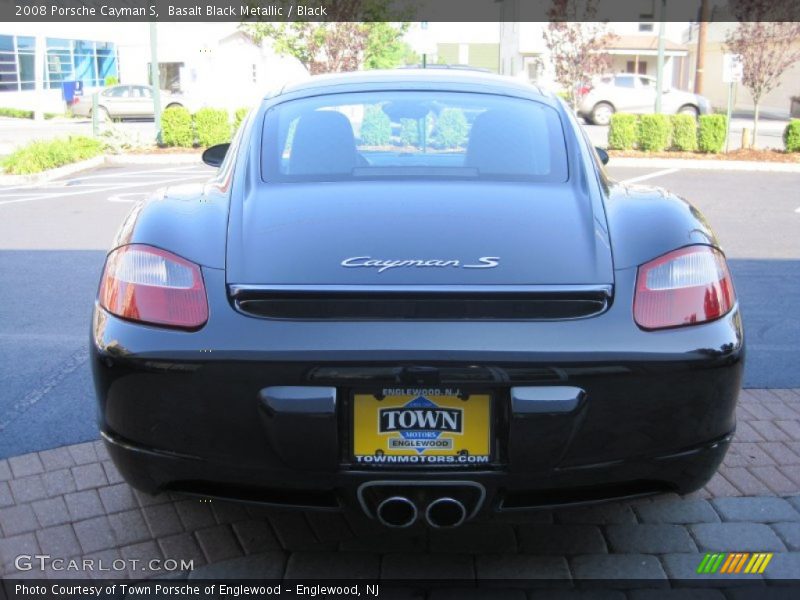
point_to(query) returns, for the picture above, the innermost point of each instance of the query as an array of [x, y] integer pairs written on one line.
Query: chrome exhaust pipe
[[445, 513], [397, 512]]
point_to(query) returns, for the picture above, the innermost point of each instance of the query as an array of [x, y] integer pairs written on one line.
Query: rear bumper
[[183, 410], [153, 471]]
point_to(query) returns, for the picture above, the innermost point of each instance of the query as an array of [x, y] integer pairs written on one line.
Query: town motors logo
[[420, 423]]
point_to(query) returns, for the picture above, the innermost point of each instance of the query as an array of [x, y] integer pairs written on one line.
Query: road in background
[[17, 132], [53, 240]]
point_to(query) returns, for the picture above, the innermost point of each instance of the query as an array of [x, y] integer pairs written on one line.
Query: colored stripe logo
[[730, 563]]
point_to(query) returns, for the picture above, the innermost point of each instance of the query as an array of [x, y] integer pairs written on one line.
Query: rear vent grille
[[401, 305]]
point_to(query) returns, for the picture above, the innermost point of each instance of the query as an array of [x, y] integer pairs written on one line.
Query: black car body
[[413, 324]]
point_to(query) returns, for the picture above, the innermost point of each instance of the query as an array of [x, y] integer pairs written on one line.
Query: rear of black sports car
[[418, 296]]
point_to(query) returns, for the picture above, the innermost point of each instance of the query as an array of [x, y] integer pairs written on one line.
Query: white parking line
[[56, 195], [128, 197], [650, 176], [166, 172]]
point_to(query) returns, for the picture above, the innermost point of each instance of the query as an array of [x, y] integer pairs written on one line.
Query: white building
[[214, 63]]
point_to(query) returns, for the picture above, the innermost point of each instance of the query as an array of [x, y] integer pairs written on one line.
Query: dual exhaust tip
[[441, 513]]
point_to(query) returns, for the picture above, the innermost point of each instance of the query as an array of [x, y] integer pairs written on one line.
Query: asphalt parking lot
[[58, 489]]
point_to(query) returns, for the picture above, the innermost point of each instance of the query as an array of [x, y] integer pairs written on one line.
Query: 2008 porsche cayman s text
[[415, 294]]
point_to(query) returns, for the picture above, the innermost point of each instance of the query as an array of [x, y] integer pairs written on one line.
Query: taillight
[[684, 287], [150, 285], [584, 90]]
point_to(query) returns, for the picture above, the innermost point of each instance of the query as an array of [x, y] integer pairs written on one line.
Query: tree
[[357, 33], [766, 40], [576, 41]]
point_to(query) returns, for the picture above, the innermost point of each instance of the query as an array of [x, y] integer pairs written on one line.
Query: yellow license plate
[[421, 426]]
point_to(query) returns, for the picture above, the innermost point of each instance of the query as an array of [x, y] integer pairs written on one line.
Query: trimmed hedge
[[711, 133], [653, 133], [791, 136], [43, 155], [376, 128], [451, 128], [19, 113], [622, 132], [684, 133], [212, 126], [176, 127]]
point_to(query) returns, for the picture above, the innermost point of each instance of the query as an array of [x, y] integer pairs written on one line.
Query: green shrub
[[653, 133], [409, 132], [711, 133], [212, 126], [451, 128], [791, 136], [19, 113], [622, 131], [42, 155], [684, 133], [376, 128], [111, 80], [239, 115], [176, 127]]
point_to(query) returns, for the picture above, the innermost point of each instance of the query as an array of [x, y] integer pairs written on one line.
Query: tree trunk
[[755, 125]]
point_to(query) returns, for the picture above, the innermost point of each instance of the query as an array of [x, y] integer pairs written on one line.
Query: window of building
[[16, 63], [255, 73], [79, 60]]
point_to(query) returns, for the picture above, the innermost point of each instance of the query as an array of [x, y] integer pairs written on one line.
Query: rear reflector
[[150, 285], [685, 287]]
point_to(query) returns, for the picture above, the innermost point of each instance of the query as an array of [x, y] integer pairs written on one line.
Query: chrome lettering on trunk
[[484, 262]]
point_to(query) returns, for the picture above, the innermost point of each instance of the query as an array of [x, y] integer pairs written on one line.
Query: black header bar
[[392, 10]]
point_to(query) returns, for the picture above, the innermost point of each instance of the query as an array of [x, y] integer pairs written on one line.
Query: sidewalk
[[71, 502]]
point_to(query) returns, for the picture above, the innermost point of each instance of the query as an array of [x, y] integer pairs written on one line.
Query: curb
[[704, 164], [51, 174], [91, 163]]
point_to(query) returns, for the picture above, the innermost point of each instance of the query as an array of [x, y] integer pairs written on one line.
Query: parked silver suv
[[632, 93]]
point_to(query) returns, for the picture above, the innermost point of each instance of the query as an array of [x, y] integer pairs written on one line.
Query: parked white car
[[632, 93], [126, 102]]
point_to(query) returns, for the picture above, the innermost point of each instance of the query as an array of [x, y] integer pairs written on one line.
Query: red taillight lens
[[584, 90], [150, 285], [685, 287]]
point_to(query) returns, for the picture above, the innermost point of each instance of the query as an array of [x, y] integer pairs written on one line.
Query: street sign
[[732, 68]]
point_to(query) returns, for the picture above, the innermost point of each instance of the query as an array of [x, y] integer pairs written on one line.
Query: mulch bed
[[748, 154]]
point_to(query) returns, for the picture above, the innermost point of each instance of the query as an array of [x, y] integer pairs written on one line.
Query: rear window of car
[[412, 135]]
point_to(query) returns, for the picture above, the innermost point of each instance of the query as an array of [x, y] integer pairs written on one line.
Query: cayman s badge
[[484, 262]]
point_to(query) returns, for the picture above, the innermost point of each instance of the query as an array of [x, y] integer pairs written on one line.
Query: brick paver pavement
[[70, 502]]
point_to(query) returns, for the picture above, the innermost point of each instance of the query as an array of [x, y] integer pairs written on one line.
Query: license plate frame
[[386, 432]]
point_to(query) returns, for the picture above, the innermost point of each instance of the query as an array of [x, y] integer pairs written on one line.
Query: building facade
[[213, 63]]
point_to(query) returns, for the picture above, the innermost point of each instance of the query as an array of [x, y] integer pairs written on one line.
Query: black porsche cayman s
[[415, 294]]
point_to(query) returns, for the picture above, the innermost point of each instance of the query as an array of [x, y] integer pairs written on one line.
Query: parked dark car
[[382, 305]]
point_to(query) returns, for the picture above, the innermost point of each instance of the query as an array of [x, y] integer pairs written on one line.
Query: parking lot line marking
[[650, 176], [78, 192], [169, 171]]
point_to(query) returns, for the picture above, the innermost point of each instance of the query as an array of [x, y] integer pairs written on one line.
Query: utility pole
[[705, 13], [155, 80], [662, 9]]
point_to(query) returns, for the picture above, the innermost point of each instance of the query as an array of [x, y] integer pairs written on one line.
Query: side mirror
[[214, 155], [601, 152]]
